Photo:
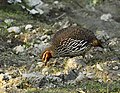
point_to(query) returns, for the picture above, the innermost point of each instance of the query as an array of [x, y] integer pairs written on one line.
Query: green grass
[[86, 86], [16, 13]]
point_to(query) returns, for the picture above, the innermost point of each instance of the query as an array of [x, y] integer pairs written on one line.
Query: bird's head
[[46, 55]]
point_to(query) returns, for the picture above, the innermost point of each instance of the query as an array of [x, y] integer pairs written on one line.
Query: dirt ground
[[21, 69]]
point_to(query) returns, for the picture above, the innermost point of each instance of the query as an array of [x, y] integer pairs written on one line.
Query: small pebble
[[19, 49], [99, 67], [14, 29], [106, 17], [56, 2], [29, 26], [115, 67]]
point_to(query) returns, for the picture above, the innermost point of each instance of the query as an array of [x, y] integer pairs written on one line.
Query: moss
[[88, 86], [14, 12]]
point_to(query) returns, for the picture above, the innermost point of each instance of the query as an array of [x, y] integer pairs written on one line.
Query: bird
[[69, 42]]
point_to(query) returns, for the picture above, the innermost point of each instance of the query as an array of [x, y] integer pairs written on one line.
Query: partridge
[[69, 42]]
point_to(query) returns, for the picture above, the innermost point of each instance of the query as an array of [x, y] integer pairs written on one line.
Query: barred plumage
[[71, 41]]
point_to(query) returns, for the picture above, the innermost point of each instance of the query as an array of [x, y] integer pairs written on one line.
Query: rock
[[100, 80], [34, 74], [41, 46], [38, 6], [99, 67], [2, 90], [45, 37], [34, 31], [1, 77], [8, 21], [56, 2], [40, 64], [33, 3], [19, 1], [33, 11], [115, 67], [35, 78], [74, 63], [118, 74], [45, 70], [80, 90], [42, 8], [28, 27], [40, 11], [14, 29], [90, 75], [102, 35], [113, 42], [71, 75], [18, 49], [80, 77], [14, 1], [35, 51], [72, 67], [106, 17], [6, 77], [51, 81]]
